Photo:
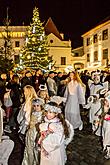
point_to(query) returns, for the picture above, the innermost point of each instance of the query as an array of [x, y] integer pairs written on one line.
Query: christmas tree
[[6, 50], [35, 51]]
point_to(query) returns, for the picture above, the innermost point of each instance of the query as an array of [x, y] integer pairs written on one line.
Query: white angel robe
[[6, 145], [75, 95], [53, 144], [95, 88], [106, 136], [6, 148]]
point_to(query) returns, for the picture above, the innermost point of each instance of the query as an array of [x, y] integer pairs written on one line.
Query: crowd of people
[[44, 109]]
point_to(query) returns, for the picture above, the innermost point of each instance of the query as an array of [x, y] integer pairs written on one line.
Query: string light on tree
[[28, 57], [34, 29], [37, 48], [27, 39], [32, 54]]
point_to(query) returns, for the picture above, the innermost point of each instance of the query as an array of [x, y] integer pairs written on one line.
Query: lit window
[[95, 38], [88, 41], [105, 54], [105, 34], [17, 44], [63, 60], [95, 56], [88, 57]]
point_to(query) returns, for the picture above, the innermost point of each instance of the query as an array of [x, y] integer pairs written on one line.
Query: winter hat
[[52, 107], [38, 101]]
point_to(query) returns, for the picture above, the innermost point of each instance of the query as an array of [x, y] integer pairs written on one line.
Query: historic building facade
[[59, 49], [96, 43], [78, 58], [17, 34]]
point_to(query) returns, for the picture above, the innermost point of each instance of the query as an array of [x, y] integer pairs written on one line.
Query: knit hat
[[52, 107]]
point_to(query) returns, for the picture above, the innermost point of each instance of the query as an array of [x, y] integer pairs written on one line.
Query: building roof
[[98, 26], [51, 28]]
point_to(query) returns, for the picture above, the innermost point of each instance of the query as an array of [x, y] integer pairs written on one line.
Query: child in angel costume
[[106, 127], [6, 144], [95, 85], [94, 104], [31, 152], [97, 90], [103, 124], [56, 133], [43, 93]]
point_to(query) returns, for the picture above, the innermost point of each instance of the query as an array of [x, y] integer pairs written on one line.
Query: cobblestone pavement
[[85, 149]]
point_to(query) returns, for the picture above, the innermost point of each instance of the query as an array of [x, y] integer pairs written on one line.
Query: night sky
[[72, 17]]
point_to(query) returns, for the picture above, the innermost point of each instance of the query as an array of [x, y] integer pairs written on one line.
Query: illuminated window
[[63, 60], [88, 41], [105, 34], [105, 54], [17, 44], [88, 57], [95, 56], [95, 38]]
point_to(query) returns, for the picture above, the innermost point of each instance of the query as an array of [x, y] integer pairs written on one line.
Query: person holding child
[[54, 132], [31, 152]]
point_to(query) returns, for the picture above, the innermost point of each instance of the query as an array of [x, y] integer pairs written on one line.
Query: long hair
[[62, 119], [29, 96], [76, 78]]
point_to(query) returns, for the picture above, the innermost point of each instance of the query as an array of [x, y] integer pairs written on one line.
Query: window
[[95, 56], [63, 60], [17, 44], [76, 54], [105, 34], [51, 41], [88, 57], [88, 41], [105, 54], [16, 58], [95, 38]]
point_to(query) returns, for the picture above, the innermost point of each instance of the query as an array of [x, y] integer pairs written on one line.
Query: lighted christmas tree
[[35, 51], [6, 50]]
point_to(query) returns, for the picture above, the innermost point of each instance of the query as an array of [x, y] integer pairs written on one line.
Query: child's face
[[37, 107], [50, 115]]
